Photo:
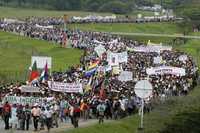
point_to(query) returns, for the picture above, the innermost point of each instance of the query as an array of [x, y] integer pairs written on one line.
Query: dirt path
[[62, 127]]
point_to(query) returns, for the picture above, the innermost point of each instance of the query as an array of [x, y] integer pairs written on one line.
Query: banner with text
[[22, 100], [66, 87], [125, 76], [115, 58], [100, 50], [166, 70], [148, 49]]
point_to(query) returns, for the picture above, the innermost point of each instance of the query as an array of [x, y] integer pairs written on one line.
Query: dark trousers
[[49, 123], [35, 122], [27, 124], [22, 124], [6, 120], [74, 121]]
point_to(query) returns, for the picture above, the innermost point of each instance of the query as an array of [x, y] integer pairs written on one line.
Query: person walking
[[36, 111], [55, 116], [74, 115], [14, 120], [48, 114], [101, 110], [27, 116], [21, 117], [6, 114]]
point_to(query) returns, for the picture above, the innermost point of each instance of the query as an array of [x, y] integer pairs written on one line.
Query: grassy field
[[19, 12], [157, 28], [126, 125], [16, 52]]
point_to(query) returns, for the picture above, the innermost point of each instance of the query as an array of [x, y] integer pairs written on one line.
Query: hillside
[[24, 12], [16, 55]]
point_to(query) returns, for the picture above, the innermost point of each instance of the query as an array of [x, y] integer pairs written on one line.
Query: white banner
[[157, 60], [100, 50], [41, 61], [30, 89], [166, 70], [66, 87], [23, 100], [44, 27], [126, 76], [115, 58], [148, 49], [123, 57], [112, 59]]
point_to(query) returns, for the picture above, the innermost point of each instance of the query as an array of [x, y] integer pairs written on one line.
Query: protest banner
[[44, 27], [66, 87], [125, 76], [115, 58], [157, 60], [153, 48], [100, 50], [123, 57], [41, 61], [166, 70], [23, 100], [112, 59], [31, 89]]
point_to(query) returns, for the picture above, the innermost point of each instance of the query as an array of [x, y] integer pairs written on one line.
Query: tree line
[[115, 6], [185, 8]]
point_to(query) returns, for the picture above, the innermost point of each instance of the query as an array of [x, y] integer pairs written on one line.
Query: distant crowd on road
[[106, 90]]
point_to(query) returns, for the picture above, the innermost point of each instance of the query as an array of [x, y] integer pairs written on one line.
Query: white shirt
[[36, 111], [48, 113]]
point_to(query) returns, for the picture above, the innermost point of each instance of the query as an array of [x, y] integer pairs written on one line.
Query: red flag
[[34, 73]]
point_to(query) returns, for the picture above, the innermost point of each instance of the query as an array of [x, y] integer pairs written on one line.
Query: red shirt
[[7, 108]]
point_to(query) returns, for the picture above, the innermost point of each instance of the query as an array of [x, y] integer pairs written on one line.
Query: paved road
[[62, 127], [156, 35]]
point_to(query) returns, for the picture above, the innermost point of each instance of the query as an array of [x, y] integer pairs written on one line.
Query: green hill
[[24, 12], [16, 52]]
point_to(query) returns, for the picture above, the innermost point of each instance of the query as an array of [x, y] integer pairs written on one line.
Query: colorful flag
[[34, 72], [93, 64], [44, 76], [90, 72]]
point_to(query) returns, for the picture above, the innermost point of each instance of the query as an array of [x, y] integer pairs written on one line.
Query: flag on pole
[[44, 75], [34, 72]]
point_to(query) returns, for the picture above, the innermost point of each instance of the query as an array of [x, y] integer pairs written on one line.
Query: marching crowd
[[104, 94]]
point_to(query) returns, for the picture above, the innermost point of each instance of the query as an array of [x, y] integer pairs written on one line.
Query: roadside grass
[[156, 28], [126, 125], [16, 52], [24, 12]]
